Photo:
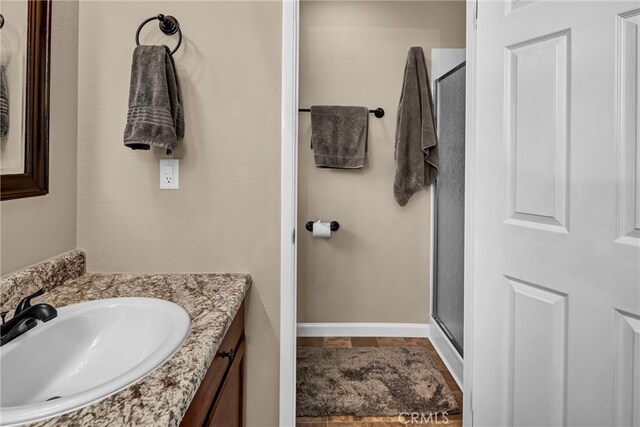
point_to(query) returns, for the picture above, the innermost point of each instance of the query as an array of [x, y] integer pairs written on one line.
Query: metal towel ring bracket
[[168, 25]]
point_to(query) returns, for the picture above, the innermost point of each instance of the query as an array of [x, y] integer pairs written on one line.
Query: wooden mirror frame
[[35, 179]]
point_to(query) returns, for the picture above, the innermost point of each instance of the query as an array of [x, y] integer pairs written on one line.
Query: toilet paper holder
[[333, 225]]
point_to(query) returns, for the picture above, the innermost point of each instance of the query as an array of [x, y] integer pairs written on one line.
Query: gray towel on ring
[[416, 152], [4, 104], [339, 136], [155, 116]]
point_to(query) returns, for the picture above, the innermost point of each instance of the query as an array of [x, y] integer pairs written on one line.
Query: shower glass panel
[[448, 275]]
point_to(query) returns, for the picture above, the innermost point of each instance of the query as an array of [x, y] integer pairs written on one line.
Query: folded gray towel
[[4, 104], [416, 151], [155, 114], [339, 136]]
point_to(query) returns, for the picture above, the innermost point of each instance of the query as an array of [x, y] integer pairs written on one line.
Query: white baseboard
[[447, 352], [409, 330]]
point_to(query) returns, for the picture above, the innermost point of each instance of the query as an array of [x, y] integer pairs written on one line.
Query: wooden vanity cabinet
[[219, 399]]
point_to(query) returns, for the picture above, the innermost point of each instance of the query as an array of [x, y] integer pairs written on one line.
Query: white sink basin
[[90, 351]]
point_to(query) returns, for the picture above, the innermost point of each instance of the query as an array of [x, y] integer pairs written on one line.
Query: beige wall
[[376, 267], [225, 216], [37, 228]]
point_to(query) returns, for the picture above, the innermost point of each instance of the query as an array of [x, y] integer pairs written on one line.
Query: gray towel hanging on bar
[[339, 136], [155, 115], [416, 152]]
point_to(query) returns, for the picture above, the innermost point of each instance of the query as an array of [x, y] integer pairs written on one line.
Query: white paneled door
[[556, 329]]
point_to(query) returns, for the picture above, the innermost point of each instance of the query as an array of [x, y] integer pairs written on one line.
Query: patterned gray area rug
[[367, 381]]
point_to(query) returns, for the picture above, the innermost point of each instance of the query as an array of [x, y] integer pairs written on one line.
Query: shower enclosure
[[448, 257]]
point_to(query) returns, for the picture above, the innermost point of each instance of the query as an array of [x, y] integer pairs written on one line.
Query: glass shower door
[[448, 275]]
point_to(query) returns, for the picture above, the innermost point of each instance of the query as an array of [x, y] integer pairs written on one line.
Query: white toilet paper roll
[[321, 229]]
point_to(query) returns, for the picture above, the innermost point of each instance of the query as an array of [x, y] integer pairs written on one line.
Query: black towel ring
[[168, 25]]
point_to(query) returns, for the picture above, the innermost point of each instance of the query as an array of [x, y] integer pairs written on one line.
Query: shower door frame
[[438, 334], [288, 210]]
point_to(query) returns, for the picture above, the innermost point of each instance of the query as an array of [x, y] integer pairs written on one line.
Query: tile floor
[[349, 421]]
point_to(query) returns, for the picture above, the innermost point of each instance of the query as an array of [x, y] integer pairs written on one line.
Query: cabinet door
[[211, 386], [227, 410]]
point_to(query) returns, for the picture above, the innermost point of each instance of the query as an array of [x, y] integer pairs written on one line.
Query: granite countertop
[[162, 397]]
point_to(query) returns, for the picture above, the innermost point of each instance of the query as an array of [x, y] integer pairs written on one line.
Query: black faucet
[[25, 317]]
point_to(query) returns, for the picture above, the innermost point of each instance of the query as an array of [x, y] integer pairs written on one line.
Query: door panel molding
[[628, 127], [536, 121], [512, 5], [627, 369], [536, 343]]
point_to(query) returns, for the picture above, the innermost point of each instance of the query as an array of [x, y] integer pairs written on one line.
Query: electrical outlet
[[169, 174]]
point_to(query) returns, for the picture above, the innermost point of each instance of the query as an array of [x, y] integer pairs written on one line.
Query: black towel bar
[[378, 112]]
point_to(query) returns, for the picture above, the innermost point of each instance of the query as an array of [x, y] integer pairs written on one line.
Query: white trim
[[288, 212], [446, 351], [406, 330], [469, 212]]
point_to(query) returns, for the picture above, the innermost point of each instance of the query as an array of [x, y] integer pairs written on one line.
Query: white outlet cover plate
[[169, 174]]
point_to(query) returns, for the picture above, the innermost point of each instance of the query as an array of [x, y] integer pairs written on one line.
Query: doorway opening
[[368, 285]]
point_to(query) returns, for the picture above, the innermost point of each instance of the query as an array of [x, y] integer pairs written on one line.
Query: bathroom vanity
[[200, 385]]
